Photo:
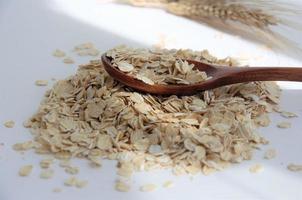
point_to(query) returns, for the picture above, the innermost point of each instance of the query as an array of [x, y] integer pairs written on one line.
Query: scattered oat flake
[[284, 125], [41, 82], [122, 186], [9, 124], [148, 188], [95, 162], [25, 170], [72, 170], [83, 46], [27, 124], [168, 184], [288, 114], [93, 52], [294, 167], [88, 52], [72, 181], [46, 174], [25, 146], [64, 163], [81, 183], [45, 163], [58, 53], [257, 168], [208, 170], [68, 61], [270, 154]]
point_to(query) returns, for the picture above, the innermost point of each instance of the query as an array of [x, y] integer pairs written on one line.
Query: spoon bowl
[[221, 76]]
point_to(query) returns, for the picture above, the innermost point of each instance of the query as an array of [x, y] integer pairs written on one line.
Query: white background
[[30, 31]]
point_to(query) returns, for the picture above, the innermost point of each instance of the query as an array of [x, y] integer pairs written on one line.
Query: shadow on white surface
[[123, 19]]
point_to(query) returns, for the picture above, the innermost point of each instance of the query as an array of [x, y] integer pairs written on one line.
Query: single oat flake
[[45, 163], [58, 53], [41, 82], [294, 167], [81, 183], [72, 181], [83, 46], [287, 114], [284, 125], [168, 184], [270, 154], [25, 170], [9, 124], [68, 60], [75, 182], [124, 66], [148, 188], [122, 186], [86, 49], [46, 174], [257, 168], [72, 170]]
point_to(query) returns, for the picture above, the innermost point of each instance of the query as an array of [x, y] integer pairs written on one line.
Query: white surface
[[31, 30]]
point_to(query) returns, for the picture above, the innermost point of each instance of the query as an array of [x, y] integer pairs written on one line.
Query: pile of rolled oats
[[91, 115], [161, 66]]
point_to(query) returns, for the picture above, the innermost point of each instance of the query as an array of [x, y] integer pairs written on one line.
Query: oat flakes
[[41, 82], [148, 188], [270, 154], [122, 186], [25, 170], [9, 124], [284, 125], [93, 116], [294, 167], [257, 168]]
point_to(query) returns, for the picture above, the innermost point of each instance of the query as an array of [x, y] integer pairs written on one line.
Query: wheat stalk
[[256, 19]]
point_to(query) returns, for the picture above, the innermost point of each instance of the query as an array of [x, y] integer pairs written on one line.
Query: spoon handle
[[247, 74]]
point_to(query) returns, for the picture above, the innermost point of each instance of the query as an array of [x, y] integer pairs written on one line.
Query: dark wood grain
[[221, 76]]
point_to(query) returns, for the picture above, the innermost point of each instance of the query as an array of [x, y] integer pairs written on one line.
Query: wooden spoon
[[221, 76]]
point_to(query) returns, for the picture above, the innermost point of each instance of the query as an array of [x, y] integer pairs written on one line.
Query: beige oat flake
[[41, 82], [83, 46], [9, 124], [148, 187], [257, 168], [124, 66], [68, 60], [168, 184], [81, 183], [287, 114], [46, 173], [122, 186], [72, 181], [270, 154], [71, 170], [58, 53], [25, 170], [284, 125], [294, 167], [45, 163]]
